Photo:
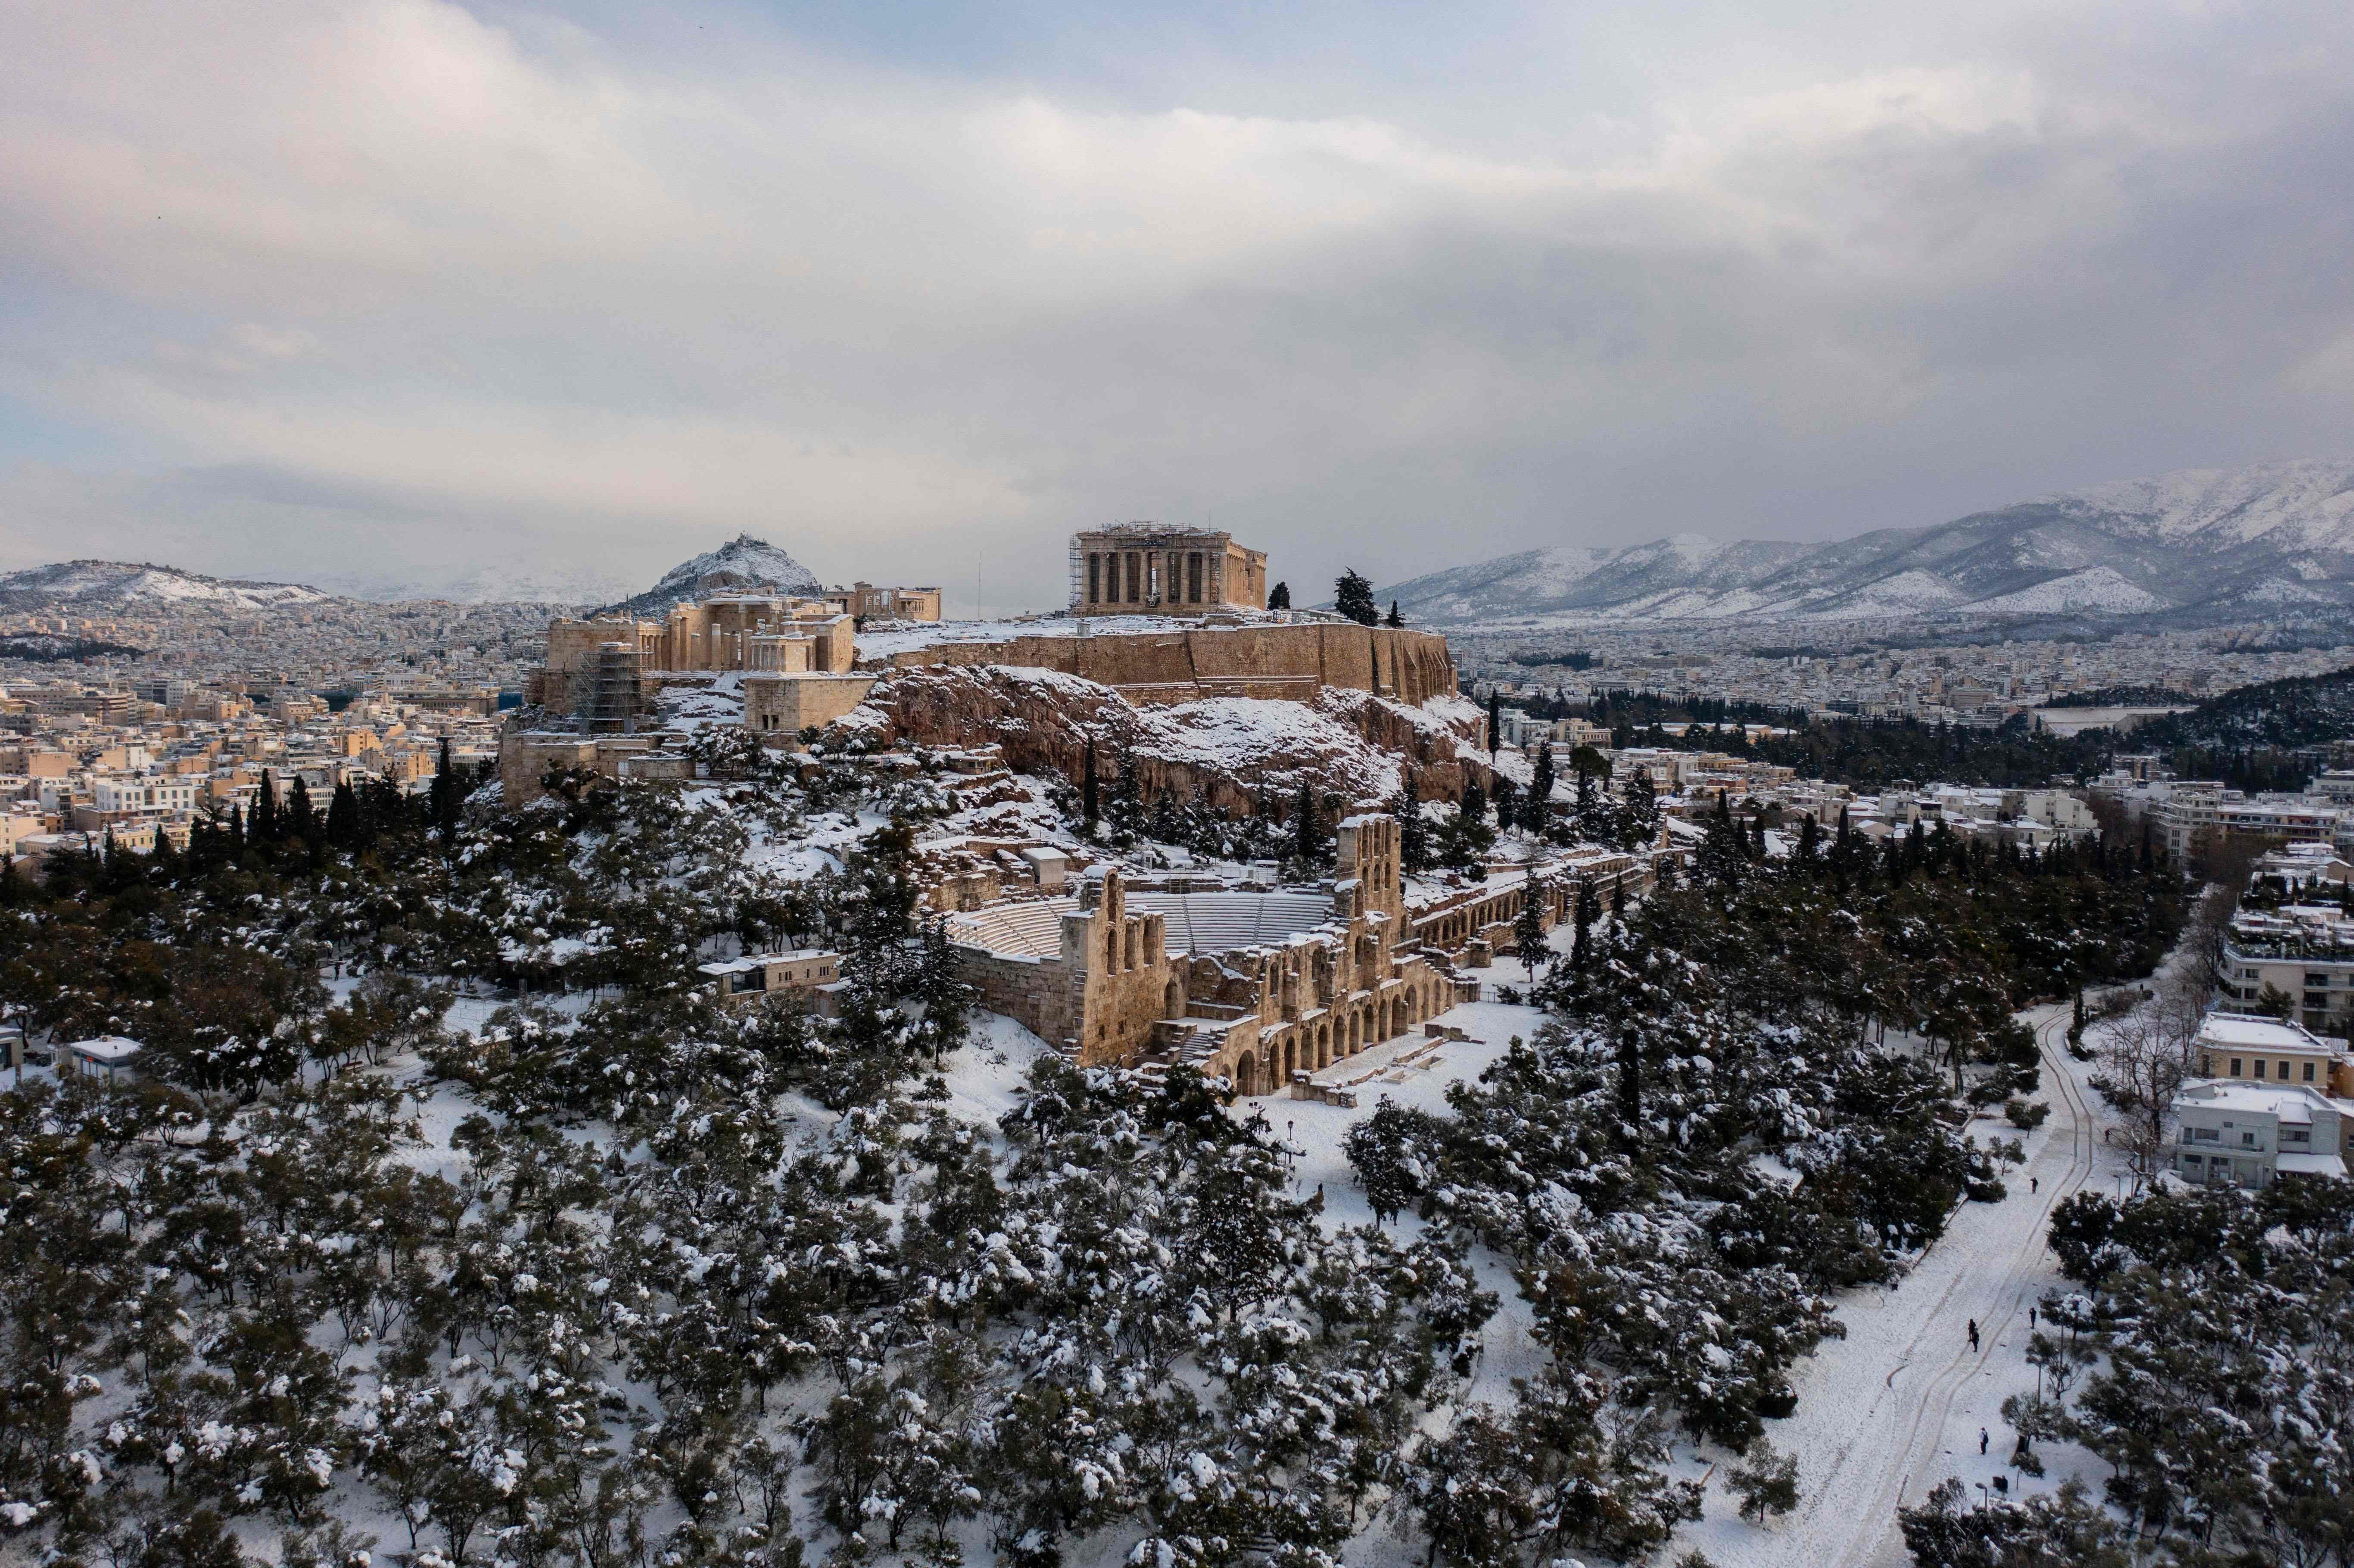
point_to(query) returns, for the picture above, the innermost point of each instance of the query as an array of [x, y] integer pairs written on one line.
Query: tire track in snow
[[1877, 1538], [1874, 1408]]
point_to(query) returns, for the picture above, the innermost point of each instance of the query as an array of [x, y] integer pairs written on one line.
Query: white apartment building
[[2302, 951], [172, 793], [2184, 810], [2249, 1135]]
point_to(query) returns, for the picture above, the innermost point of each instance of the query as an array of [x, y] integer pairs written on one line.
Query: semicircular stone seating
[[1191, 922], [1031, 930], [1222, 922]]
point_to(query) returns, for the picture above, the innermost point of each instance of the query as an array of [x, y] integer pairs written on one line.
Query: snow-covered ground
[[1884, 1415], [1896, 1407]]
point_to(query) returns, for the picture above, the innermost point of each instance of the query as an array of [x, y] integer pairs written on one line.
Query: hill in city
[[2203, 546], [743, 565], [102, 586]]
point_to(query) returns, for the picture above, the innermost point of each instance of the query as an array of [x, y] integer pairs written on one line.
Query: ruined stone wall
[[1031, 991], [1183, 666], [779, 706]]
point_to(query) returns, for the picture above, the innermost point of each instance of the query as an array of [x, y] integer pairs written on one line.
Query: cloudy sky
[[397, 290]]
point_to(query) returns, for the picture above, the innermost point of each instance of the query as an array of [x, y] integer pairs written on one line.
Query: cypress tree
[[301, 823], [265, 811], [1090, 792], [1495, 722], [1537, 809], [344, 817], [1414, 833], [1630, 1085], [1507, 805], [1395, 619], [445, 800], [1280, 597], [1639, 809], [236, 832], [1529, 927]]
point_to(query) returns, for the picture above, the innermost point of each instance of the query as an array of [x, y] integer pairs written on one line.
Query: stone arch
[[1173, 1004], [1290, 1059], [1245, 1071]]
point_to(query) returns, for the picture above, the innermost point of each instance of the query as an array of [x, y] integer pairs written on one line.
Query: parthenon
[[1135, 567]]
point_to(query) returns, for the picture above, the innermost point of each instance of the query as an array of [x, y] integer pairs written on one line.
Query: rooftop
[[2259, 1034], [2291, 1103]]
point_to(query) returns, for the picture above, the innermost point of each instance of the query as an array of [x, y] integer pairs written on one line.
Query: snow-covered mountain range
[[2201, 545], [134, 583], [743, 565]]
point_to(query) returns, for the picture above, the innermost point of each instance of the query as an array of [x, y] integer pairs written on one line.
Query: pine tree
[[1507, 805], [236, 832], [1395, 619], [1495, 721], [1766, 1481], [1280, 597], [1352, 596]]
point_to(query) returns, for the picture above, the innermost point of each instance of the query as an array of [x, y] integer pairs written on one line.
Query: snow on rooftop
[[2264, 1033]]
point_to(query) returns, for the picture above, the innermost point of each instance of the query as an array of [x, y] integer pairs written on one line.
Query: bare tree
[[2144, 1058]]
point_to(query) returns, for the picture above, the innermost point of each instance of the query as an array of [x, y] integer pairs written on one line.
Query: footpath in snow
[[1896, 1407], [1884, 1415]]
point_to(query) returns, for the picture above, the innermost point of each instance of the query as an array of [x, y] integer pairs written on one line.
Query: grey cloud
[[442, 291]]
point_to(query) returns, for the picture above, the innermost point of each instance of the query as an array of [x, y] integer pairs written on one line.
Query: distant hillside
[[47, 647], [126, 584], [2303, 710], [2202, 545], [743, 565]]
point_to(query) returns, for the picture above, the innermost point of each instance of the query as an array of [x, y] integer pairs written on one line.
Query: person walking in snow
[[1982, 1440], [2031, 1185], [1974, 1333]]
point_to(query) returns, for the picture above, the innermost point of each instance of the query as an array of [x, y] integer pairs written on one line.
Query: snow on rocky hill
[[2201, 545], [127, 585], [743, 565]]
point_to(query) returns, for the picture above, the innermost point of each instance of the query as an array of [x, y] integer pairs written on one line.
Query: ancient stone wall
[[1183, 666], [779, 706]]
